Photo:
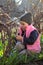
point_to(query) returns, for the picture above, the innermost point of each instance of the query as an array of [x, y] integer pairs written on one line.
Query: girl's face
[[23, 25]]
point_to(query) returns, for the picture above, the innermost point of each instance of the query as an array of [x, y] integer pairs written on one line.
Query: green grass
[[1, 49], [14, 57], [2, 46], [41, 39]]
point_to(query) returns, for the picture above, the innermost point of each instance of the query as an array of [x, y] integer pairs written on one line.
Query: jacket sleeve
[[31, 39]]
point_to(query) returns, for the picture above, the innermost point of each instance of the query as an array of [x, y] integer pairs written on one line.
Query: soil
[[39, 62]]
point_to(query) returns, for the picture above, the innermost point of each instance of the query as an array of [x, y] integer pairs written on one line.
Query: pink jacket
[[36, 46]]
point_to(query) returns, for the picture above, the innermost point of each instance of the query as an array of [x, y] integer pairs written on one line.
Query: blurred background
[[18, 7]]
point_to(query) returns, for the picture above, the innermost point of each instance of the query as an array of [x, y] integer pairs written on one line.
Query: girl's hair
[[27, 18]]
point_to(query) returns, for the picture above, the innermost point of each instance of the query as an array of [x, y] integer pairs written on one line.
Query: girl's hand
[[19, 38]]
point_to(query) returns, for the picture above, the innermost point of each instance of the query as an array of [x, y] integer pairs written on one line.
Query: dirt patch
[[40, 62]]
